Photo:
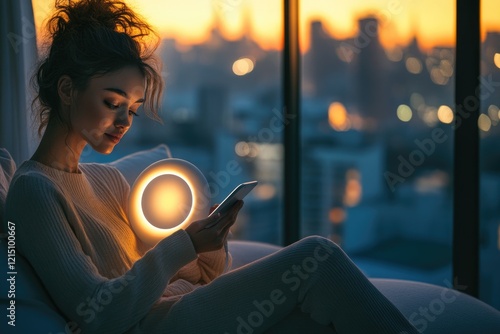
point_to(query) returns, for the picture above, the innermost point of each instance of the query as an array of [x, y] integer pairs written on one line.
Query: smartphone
[[237, 194]]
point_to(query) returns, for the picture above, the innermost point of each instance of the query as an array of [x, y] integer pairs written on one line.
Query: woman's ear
[[65, 89]]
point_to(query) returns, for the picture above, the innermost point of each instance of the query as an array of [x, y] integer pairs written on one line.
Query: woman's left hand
[[210, 233]]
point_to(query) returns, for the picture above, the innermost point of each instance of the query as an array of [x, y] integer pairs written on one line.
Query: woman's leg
[[313, 274]]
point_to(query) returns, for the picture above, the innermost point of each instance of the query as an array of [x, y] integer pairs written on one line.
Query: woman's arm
[[98, 304], [205, 268]]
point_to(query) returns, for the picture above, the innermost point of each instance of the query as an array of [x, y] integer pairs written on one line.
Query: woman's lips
[[114, 138]]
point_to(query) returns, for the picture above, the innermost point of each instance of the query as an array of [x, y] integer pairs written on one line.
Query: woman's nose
[[122, 118]]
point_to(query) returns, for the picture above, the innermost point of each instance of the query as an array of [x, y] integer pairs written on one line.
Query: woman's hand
[[209, 234]]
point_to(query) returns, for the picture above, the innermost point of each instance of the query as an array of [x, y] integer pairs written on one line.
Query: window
[[376, 131], [489, 128]]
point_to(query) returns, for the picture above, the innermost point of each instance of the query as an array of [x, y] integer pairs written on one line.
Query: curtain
[[18, 56]]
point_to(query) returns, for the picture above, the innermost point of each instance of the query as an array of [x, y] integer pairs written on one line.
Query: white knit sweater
[[73, 229]]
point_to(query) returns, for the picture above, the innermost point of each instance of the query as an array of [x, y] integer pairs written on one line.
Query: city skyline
[[190, 22]]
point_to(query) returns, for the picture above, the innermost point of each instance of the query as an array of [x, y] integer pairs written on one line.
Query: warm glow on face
[[166, 197]]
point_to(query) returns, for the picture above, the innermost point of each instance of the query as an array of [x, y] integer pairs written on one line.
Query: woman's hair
[[89, 38]]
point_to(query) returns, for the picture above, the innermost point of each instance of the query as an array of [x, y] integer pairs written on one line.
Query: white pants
[[310, 286]]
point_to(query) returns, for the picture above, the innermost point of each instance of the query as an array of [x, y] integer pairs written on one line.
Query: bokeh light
[[404, 113], [445, 114], [413, 65], [337, 215], [243, 66], [484, 123], [338, 117], [496, 59], [494, 114]]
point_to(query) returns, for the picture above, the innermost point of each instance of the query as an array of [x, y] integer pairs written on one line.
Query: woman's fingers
[[211, 232], [229, 218]]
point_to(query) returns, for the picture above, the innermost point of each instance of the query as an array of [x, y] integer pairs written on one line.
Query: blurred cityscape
[[377, 144]]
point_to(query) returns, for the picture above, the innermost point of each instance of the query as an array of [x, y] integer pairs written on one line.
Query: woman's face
[[103, 112]]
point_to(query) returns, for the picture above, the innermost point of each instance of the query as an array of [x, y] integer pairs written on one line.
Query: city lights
[[445, 114], [404, 113], [243, 66], [265, 191], [417, 101], [429, 115], [395, 54], [494, 114], [496, 59], [413, 65], [246, 149], [338, 117], [484, 123], [437, 77], [353, 190], [337, 215]]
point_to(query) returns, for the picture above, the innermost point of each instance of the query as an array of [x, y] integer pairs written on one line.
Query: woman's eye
[[133, 113], [111, 105]]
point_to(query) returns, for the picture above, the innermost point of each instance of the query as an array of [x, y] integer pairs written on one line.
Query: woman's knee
[[318, 248], [316, 243]]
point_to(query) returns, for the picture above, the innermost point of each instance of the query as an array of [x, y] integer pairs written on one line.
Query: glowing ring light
[[167, 196]]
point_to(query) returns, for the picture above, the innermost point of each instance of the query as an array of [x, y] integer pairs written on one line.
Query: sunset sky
[[190, 21]]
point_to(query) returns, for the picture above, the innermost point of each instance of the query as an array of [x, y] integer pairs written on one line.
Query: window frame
[[465, 244]]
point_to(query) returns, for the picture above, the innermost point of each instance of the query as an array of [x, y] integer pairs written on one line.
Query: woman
[[71, 221]]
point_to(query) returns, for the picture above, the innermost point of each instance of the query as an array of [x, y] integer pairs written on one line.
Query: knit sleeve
[[44, 236], [205, 268]]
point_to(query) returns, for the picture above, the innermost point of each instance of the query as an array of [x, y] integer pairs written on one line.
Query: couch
[[432, 309]]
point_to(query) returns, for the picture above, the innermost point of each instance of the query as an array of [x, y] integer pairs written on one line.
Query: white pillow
[[133, 164]]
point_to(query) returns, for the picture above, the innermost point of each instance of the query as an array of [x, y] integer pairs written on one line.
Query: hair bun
[[94, 14]]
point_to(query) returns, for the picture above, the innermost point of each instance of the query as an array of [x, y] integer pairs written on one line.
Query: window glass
[[377, 109], [489, 130]]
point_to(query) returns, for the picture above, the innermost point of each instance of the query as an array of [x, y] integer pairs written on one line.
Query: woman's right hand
[[209, 234]]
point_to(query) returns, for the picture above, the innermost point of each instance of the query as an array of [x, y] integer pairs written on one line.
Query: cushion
[[133, 164], [244, 252], [34, 310], [7, 169], [436, 309]]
